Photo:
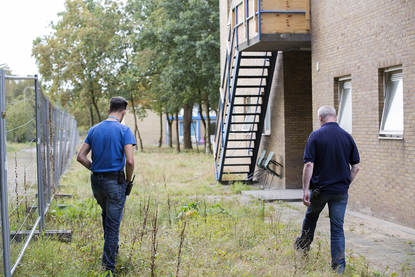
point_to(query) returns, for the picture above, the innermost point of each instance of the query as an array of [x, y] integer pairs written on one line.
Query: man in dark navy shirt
[[111, 144], [331, 162]]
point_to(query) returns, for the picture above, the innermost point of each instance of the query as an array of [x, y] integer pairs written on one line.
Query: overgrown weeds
[[238, 187], [177, 222]]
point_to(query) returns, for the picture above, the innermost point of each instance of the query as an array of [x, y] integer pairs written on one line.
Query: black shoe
[[110, 273], [301, 244], [339, 269]]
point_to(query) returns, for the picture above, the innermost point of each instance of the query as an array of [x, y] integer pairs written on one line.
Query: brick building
[[360, 58]]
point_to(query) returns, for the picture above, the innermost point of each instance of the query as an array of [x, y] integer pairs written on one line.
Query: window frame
[[267, 131], [386, 75], [340, 82]]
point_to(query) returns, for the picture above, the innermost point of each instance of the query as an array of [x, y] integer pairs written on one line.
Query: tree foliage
[[20, 110], [159, 54], [76, 59]]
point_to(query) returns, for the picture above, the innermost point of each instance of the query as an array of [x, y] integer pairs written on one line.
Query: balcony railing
[[265, 25]]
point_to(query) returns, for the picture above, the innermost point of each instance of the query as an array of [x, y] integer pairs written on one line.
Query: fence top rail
[[11, 77]]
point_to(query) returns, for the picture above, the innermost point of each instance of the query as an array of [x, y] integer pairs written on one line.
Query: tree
[[130, 78], [75, 60], [20, 110], [184, 36]]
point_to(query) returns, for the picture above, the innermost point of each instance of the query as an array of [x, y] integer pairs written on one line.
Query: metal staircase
[[246, 85]]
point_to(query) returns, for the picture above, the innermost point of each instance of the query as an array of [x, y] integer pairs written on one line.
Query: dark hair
[[118, 104]]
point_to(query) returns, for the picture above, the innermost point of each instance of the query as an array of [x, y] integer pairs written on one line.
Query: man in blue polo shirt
[[331, 162], [111, 144]]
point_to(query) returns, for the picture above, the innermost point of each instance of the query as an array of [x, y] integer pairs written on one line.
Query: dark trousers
[[110, 195], [337, 207]]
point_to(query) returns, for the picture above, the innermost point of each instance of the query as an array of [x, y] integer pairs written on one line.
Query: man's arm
[[82, 155], [353, 172], [129, 161], [307, 173]]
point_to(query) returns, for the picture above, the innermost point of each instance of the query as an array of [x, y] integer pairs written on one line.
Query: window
[[392, 115], [267, 122], [345, 103]]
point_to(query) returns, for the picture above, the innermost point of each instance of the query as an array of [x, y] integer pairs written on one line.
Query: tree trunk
[[91, 116], [94, 102], [209, 144], [161, 129], [202, 118], [139, 139], [187, 123], [136, 131], [177, 132], [170, 128], [197, 141]]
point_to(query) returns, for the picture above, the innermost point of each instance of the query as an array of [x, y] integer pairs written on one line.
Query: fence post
[[5, 229], [40, 195], [47, 142]]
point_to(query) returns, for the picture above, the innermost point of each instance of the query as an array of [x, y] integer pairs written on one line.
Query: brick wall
[[359, 38], [298, 113], [291, 115]]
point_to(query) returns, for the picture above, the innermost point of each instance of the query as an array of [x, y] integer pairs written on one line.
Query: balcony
[[269, 25]]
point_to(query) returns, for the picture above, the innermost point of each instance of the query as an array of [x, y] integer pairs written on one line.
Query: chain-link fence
[[37, 144]]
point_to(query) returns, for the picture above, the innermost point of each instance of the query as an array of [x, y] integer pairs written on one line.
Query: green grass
[[222, 237], [12, 147]]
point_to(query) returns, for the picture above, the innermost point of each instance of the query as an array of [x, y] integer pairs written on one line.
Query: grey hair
[[325, 111]]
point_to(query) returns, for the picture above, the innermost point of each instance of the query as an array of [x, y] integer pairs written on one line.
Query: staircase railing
[[225, 98], [229, 108]]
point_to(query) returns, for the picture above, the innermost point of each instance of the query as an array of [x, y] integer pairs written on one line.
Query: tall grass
[[177, 222]]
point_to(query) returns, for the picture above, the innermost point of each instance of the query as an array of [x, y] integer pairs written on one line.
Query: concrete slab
[[292, 195]]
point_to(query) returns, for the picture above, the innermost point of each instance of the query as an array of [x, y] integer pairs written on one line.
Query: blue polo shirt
[[332, 150], [107, 140]]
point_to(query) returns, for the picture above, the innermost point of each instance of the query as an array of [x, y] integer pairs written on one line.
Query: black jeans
[[110, 195]]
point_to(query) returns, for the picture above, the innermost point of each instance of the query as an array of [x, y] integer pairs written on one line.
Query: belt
[[109, 173]]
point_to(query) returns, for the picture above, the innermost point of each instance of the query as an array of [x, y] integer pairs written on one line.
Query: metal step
[[236, 172], [250, 86], [239, 114], [255, 57], [252, 76], [239, 148], [241, 139], [237, 157], [253, 66], [249, 95], [236, 164], [244, 122], [242, 132], [246, 105]]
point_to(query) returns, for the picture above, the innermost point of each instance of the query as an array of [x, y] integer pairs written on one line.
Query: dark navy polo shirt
[[332, 150], [107, 140]]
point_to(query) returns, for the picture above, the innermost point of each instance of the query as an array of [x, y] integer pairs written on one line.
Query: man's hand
[[129, 161], [129, 186], [306, 198], [353, 172], [82, 155], [307, 173]]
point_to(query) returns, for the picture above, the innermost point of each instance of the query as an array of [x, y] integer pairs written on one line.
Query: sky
[[21, 22]]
